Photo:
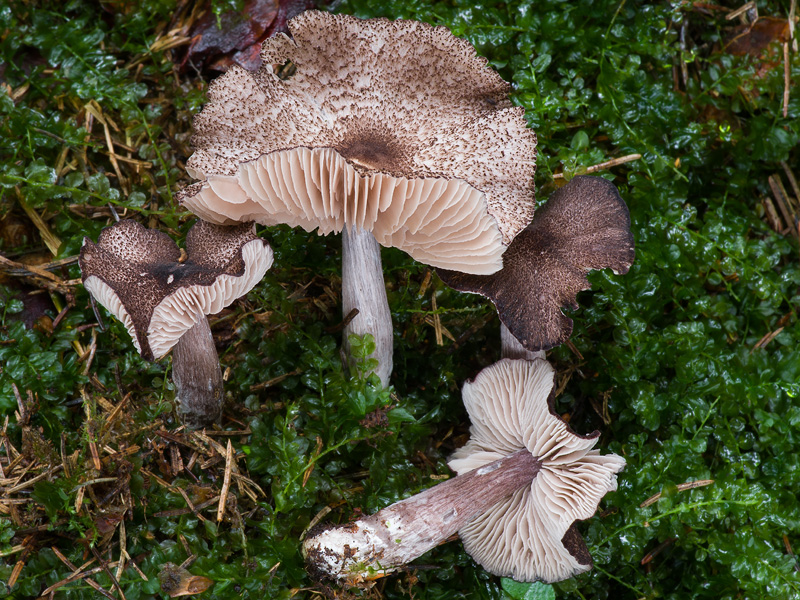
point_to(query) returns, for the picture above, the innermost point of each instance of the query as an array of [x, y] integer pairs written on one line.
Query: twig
[[689, 485], [778, 191], [108, 572], [792, 180], [48, 237], [606, 165], [34, 480], [766, 339], [345, 322], [79, 573], [226, 482], [773, 219], [270, 382], [114, 414], [38, 276], [788, 547], [317, 518], [657, 550], [176, 512], [786, 76], [741, 10], [437, 322], [91, 582]]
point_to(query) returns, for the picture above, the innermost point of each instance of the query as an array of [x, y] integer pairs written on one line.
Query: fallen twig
[[226, 482], [606, 165], [689, 485]]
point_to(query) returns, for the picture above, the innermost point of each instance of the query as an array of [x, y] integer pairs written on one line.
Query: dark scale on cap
[[141, 265], [585, 225]]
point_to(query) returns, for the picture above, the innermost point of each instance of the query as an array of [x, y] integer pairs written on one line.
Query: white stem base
[[363, 288], [376, 545]]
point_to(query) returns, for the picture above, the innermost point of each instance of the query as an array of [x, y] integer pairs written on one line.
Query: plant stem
[[363, 288], [197, 377], [396, 535]]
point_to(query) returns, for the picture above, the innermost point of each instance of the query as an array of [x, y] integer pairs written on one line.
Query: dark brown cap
[[585, 225], [137, 275]]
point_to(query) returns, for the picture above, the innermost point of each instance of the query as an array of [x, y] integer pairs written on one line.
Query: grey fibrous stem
[[375, 545], [197, 376], [363, 288], [511, 348]]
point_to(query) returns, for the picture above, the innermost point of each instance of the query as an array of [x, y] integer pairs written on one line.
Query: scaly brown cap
[[136, 274], [396, 127], [585, 225]]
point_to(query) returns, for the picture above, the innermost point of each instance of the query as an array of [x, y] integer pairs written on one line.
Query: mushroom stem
[[197, 377], [363, 288], [510, 347], [376, 545]]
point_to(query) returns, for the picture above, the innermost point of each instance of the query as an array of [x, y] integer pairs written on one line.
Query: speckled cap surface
[[380, 120], [137, 275]]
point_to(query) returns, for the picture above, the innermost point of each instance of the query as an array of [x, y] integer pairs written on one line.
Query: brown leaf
[[233, 41], [753, 40]]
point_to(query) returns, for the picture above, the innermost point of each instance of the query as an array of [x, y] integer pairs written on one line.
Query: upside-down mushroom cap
[[585, 225], [137, 275], [396, 127], [531, 535]]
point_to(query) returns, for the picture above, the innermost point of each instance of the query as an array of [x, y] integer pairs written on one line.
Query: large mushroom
[[392, 132], [138, 275], [584, 225], [524, 478]]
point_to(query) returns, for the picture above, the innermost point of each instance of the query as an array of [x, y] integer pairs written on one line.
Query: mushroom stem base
[[197, 376], [374, 546], [363, 288]]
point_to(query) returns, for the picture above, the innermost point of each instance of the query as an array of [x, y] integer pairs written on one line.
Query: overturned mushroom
[[585, 225], [388, 131], [524, 478], [137, 275]]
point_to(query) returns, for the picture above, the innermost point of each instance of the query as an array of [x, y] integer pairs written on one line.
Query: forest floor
[[688, 365]]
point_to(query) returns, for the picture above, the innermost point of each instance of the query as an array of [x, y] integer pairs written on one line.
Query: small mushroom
[[137, 274], [524, 478], [585, 225], [392, 132]]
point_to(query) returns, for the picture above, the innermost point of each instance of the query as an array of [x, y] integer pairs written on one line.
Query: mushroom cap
[[396, 127], [531, 535], [585, 225], [137, 275]]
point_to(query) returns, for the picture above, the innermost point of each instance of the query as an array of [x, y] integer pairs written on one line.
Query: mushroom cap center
[[374, 148]]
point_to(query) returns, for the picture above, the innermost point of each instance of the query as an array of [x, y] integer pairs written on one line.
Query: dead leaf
[[755, 39], [236, 41]]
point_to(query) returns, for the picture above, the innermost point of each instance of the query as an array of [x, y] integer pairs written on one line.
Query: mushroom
[[391, 132], [137, 274], [584, 225], [524, 478]]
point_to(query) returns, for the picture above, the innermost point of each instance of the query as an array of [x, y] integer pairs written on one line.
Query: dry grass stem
[[614, 162], [226, 482], [689, 485], [275, 380]]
